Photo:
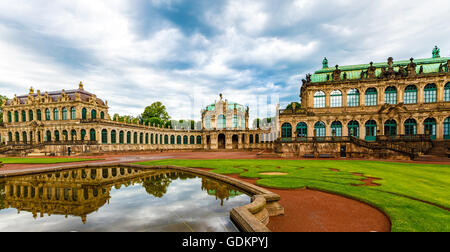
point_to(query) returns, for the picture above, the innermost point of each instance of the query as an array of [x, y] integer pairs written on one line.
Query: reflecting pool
[[117, 199]]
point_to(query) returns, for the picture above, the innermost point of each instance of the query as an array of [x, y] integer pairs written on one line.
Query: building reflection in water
[[81, 192]]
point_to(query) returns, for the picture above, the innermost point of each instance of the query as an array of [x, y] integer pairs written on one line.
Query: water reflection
[[161, 200]]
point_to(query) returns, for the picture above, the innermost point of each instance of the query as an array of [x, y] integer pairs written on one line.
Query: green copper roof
[[430, 65]]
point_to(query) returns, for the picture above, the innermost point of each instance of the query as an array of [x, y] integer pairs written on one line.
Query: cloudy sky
[[184, 53]]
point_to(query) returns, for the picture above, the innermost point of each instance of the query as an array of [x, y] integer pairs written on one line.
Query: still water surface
[[117, 199]]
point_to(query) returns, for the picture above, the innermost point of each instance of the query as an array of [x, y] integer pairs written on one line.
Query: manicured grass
[[416, 197], [43, 160]]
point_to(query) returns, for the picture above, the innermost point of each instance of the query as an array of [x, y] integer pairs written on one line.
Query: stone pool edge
[[252, 217]]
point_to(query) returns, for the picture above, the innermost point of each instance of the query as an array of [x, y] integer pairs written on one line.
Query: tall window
[[302, 129], [65, 135], [84, 114], [56, 114], [47, 114], [336, 128], [9, 117], [319, 128], [166, 139], [49, 136], [390, 128], [430, 127], [221, 122], [192, 140], [319, 99], [371, 97], [207, 122], [286, 130], [83, 134], [235, 121], [92, 134], [430, 94], [172, 139], [178, 139], [73, 135], [113, 136], [56, 136], [64, 113], [371, 130], [104, 136], [353, 128], [199, 140], [390, 95], [102, 115], [447, 128], [24, 116], [336, 99], [135, 138], [128, 137], [30, 115], [93, 114], [353, 98], [16, 116], [38, 115], [447, 92], [185, 140], [73, 113], [122, 137], [411, 94], [410, 127]]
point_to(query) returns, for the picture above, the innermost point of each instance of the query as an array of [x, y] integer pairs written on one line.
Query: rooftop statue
[[436, 52], [325, 63]]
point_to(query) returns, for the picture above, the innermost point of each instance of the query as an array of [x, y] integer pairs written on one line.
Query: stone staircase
[[439, 152]]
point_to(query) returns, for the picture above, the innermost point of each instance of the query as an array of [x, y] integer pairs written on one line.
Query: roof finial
[[220, 96], [31, 90], [436, 52], [80, 86]]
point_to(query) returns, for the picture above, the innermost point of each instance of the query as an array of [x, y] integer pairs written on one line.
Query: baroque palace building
[[76, 121], [370, 106]]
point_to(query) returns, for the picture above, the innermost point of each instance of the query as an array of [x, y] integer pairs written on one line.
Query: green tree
[[156, 110], [3, 99], [297, 105]]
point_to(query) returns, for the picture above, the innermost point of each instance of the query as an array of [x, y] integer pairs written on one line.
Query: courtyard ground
[[322, 195]]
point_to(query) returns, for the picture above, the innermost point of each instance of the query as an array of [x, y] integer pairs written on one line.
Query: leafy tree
[[156, 110], [157, 186]]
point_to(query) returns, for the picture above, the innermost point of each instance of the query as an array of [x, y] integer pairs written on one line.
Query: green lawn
[[43, 160], [416, 197]]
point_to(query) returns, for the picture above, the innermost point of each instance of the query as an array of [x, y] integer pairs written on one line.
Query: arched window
[[353, 129], [286, 130], [84, 114], [371, 130], [38, 115], [16, 116], [56, 114], [64, 114], [250, 139], [390, 95], [410, 127], [65, 135], [447, 128], [430, 94], [336, 128], [24, 136], [102, 115], [430, 127], [256, 138], [447, 92], [178, 139], [390, 128], [9, 117], [156, 138], [199, 140], [160, 139], [83, 135], [371, 97], [166, 139], [104, 136], [73, 113], [185, 140], [146, 138], [135, 138], [10, 137], [93, 114], [151, 138], [353, 98], [121, 137], [302, 129], [92, 134], [56, 136], [141, 138], [319, 99], [73, 135], [49, 136], [319, 128], [192, 140], [172, 139], [221, 122], [336, 99], [30, 115], [410, 94], [24, 116], [47, 115]]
